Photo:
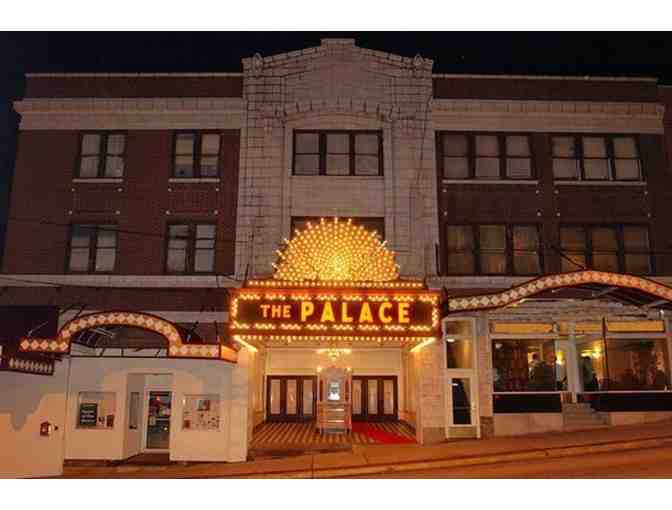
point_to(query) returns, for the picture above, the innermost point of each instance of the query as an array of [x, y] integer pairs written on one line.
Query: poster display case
[[96, 410], [200, 412]]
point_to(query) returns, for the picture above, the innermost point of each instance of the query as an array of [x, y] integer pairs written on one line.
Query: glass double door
[[290, 398], [374, 398]]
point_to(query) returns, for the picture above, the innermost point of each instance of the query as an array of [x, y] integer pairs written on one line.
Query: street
[[645, 463]]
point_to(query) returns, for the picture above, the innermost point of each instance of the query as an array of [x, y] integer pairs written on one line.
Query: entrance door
[[158, 420], [461, 413], [374, 398], [290, 397]]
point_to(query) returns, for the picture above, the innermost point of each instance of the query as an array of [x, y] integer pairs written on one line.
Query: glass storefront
[[619, 363], [526, 365], [624, 364]]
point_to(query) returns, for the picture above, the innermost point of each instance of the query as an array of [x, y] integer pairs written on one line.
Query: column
[[427, 363], [485, 376]]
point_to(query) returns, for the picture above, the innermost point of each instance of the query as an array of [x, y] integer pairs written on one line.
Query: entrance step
[[581, 416]]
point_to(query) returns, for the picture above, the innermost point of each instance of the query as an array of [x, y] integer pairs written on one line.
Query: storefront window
[[621, 364], [526, 365], [637, 364], [592, 365]]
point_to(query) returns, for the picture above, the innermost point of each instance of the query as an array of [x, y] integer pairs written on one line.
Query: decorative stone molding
[[547, 115], [130, 113]]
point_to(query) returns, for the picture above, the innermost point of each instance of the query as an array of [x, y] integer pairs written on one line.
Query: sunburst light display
[[335, 251]]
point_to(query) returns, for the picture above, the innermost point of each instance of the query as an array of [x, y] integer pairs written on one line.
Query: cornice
[[131, 113], [131, 105], [591, 108], [548, 115]]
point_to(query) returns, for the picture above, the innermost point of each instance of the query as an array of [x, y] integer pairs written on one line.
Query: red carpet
[[380, 435]]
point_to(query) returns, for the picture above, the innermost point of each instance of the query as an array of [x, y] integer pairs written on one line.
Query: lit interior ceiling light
[[336, 251]]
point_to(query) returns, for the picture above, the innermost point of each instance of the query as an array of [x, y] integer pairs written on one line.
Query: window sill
[[600, 183], [187, 180], [491, 181], [99, 180], [340, 177]]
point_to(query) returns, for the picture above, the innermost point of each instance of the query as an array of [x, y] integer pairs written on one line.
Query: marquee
[[334, 282]]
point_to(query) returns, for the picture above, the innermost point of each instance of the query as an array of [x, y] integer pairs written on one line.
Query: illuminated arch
[[654, 292], [335, 251], [176, 348]]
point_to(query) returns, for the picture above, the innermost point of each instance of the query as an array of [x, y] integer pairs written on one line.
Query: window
[[484, 156], [624, 364], [196, 155], [526, 365], [617, 248], [338, 153], [96, 410], [93, 248], [596, 158], [493, 249], [458, 337], [371, 224], [101, 155], [191, 248]]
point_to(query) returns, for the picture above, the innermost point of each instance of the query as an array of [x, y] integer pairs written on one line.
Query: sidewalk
[[380, 459]]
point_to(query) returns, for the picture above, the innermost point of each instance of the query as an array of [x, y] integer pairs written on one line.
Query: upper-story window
[[101, 155], [615, 248], [191, 248], [492, 249], [596, 158], [196, 155], [485, 156], [338, 153], [93, 248]]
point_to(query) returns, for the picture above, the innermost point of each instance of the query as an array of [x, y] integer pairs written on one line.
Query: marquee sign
[[334, 281], [335, 312]]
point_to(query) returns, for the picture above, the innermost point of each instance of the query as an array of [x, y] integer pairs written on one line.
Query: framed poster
[[96, 410], [88, 415]]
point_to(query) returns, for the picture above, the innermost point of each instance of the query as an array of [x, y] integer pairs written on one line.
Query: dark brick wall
[[550, 205], [44, 191], [545, 90], [134, 86]]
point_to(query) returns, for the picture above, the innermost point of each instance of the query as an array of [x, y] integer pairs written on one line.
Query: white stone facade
[[336, 86]]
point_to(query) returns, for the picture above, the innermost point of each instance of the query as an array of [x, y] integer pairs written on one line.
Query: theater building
[[190, 258]]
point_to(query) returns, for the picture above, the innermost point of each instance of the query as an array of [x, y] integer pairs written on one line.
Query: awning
[[585, 285]]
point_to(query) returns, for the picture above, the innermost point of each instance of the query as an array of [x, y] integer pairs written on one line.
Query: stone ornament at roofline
[[555, 281]]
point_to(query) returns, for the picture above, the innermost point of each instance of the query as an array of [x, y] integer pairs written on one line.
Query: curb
[[547, 453]]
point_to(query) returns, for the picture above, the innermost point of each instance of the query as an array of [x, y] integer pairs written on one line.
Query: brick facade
[[336, 86]]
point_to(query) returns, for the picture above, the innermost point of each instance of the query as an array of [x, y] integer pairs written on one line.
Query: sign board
[[335, 312], [88, 415]]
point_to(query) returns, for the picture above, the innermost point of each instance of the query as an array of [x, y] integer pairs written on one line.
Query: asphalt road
[[646, 463]]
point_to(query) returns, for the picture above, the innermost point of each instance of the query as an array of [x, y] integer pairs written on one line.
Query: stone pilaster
[[430, 398]]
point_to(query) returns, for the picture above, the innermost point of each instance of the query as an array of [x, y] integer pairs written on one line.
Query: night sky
[[555, 53]]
